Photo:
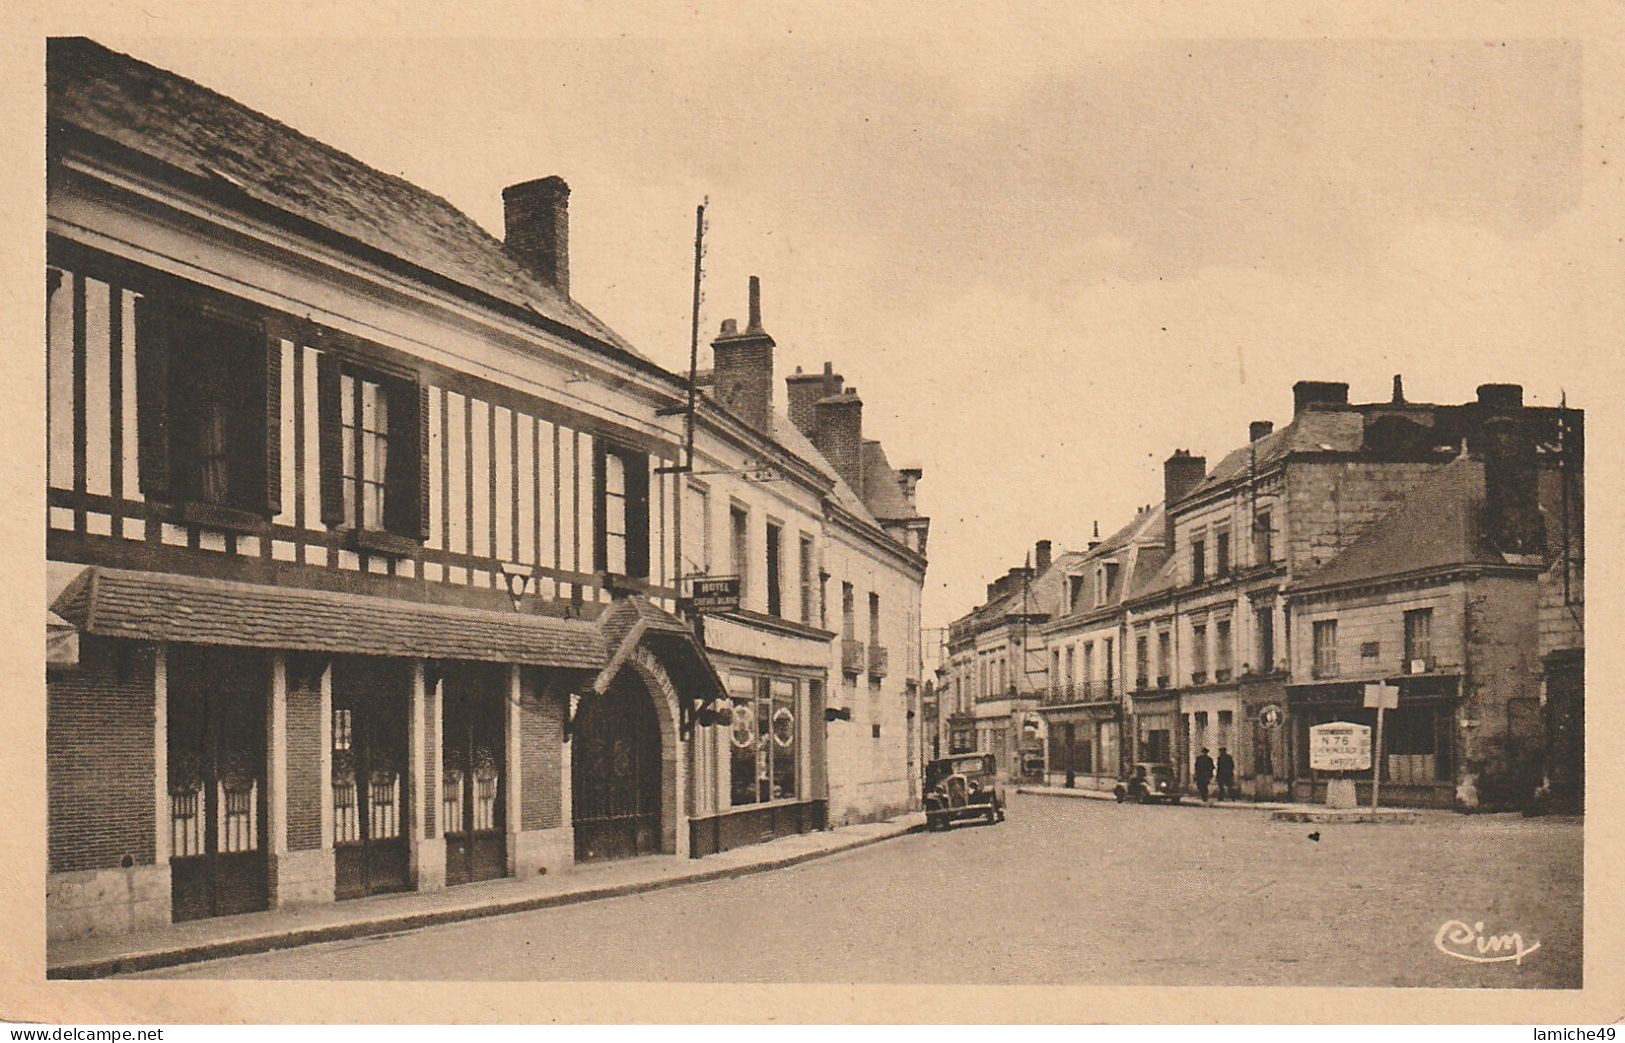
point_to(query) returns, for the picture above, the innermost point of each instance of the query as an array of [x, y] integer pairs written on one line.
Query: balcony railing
[[877, 661], [1077, 692], [852, 657]]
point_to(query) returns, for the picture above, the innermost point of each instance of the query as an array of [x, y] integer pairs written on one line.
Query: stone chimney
[[839, 434], [1512, 517], [1041, 556], [1259, 429], [1307, 394], [536, 229], [1181, 473], [744, 366], [907, 479]]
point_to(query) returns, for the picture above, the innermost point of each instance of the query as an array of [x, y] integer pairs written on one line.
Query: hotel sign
[[1340, 746], [711, 594]]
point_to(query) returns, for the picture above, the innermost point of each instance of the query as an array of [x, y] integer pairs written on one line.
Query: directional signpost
[[1380, 697], [1340, 746]]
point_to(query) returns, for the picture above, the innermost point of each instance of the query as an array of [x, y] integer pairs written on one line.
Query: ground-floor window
[[764, 742], [1157, 747]]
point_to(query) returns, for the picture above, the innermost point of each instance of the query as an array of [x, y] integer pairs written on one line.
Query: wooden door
[[615, 774], [473, 787], [369, 776], [216, 752]]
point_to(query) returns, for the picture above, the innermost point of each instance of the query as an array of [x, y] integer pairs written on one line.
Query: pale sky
[[1045, 267]]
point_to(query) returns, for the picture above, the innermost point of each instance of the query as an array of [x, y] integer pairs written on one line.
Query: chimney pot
[[1259, 429], [755, 306], [730, 328], [536, 229], [1399, 390]]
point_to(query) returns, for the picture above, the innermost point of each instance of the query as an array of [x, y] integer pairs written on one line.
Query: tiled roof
[[881, 491], [1314, 430], [153, 606], [171, 119], [1437, 525]]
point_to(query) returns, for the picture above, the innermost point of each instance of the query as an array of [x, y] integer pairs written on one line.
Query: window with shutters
[[373, 454], [621, 511], [208, 386]]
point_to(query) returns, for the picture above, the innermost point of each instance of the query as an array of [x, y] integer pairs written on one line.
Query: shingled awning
[[150, 606], [635, 621]]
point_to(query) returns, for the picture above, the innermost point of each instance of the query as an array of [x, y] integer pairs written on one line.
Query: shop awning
[[633, 622], [148, 606]]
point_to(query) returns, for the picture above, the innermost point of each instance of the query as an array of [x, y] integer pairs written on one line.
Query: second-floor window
[[739, 521], [1088, 673], [1325, 641], [621, 511], [775, 595], [1111, 666], [1266, 640], [807, 571], [205, 382], [1221, 650], [1221, 556], [1164, 657], [373, 466], [1198, 560], [1198, 654], [874, 620], [849, 622], [1419, 635], [1142, 661], [1263, 542]]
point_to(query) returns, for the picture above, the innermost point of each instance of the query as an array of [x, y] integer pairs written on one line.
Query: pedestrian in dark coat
[[1227, 775], [1204, 772]]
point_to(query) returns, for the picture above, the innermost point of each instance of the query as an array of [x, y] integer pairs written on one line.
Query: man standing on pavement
[[1227, 775], [1204, 772]]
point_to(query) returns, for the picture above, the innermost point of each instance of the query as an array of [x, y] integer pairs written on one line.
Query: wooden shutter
[[273, 421], [330, 436], [406, 500], [153, 331], [636, 466]]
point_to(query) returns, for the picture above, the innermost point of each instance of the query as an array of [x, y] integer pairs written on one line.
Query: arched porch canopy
[[634, 622]]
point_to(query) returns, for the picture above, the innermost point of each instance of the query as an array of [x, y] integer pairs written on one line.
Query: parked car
[[960, 787], [1150, 781]]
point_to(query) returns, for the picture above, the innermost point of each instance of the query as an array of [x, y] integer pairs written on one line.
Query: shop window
[[209, 388], [1325, 647], [764, 740], [620, 510]]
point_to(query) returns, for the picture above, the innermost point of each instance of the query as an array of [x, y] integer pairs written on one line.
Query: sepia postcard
[[844, 513]]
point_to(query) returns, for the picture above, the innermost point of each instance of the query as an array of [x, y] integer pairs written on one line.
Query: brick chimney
[[802, 390], [1041, 556], [536, 229], [839, 434], [744, 366], [1307, 394], [1181, 473], [1259, 429]]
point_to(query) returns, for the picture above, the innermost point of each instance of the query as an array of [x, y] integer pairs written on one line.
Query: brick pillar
[[325, 742], [160, 755]]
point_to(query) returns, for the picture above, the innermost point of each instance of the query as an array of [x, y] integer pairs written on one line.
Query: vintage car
[[962, 786], [1150, 781]]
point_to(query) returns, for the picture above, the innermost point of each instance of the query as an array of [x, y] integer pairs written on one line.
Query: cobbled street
[[1065, 892]]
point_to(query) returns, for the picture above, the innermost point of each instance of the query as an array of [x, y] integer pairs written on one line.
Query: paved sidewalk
[[1192, 801], [387, 914]]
